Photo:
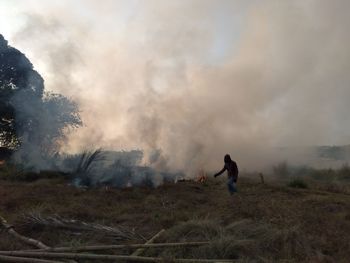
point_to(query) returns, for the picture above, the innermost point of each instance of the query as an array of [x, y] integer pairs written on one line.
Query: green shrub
[[297, 183]]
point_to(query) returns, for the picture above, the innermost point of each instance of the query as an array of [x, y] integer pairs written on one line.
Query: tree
[[29, 116], [16, 74]]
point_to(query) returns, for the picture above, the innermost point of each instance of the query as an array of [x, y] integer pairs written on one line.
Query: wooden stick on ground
[[26, 260], [116, 232], [140, 250], [26, 240], [262, 178], [110, 247], [77, 256]]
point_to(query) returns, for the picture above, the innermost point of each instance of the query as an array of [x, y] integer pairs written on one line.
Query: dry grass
[[263, 223], [242, 239]]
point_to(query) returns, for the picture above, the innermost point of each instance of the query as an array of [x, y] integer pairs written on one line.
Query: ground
[[282, 224]]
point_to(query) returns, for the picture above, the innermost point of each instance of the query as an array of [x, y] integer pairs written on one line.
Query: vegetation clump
[[298, 183]]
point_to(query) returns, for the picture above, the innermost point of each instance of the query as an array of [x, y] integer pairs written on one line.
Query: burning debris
[[202, 176], [113, 169]]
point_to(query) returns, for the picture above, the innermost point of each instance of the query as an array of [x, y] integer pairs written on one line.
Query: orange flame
[[202, 176]]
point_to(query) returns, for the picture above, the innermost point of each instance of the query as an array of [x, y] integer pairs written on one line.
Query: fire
[[202, 176]]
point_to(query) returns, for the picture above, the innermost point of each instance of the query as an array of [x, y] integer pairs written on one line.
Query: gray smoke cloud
[[112, 168], [34, 122], [188, 81]]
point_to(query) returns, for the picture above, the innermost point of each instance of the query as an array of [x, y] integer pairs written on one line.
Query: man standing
[[232, 173]]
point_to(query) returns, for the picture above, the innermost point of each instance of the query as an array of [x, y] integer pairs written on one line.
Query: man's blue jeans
[[231, 185]]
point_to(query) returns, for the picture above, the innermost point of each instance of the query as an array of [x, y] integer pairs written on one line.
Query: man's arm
[[219, 173]]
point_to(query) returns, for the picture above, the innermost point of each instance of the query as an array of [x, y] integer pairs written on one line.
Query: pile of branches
[[46, 254], [118, 233]]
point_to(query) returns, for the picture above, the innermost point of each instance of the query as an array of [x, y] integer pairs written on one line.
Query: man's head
[[227, 158]]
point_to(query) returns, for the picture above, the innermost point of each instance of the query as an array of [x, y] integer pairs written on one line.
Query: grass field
[[269, 222]]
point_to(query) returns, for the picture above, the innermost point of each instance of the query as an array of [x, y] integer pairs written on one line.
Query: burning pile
[[202, 176], [116, 169]]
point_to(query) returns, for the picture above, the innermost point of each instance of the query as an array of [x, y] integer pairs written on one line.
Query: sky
[[193, 79]]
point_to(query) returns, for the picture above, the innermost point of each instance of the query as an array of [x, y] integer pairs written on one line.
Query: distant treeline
[[334, 152]]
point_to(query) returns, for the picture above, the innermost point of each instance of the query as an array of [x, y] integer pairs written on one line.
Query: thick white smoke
[[193, 80]]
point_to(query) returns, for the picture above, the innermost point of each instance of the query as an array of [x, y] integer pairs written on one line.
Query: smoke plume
[[188, 81]]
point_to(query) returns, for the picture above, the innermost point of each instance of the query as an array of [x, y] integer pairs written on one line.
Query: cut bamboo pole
[[78, 256], [140, 250], [27, 240], [110, 247], [262, 178], [26, 260]]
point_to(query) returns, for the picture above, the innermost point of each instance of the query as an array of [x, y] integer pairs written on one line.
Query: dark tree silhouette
[[16, 74], [28, 115]]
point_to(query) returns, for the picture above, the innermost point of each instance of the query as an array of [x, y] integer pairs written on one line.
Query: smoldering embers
[[113, 168]]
